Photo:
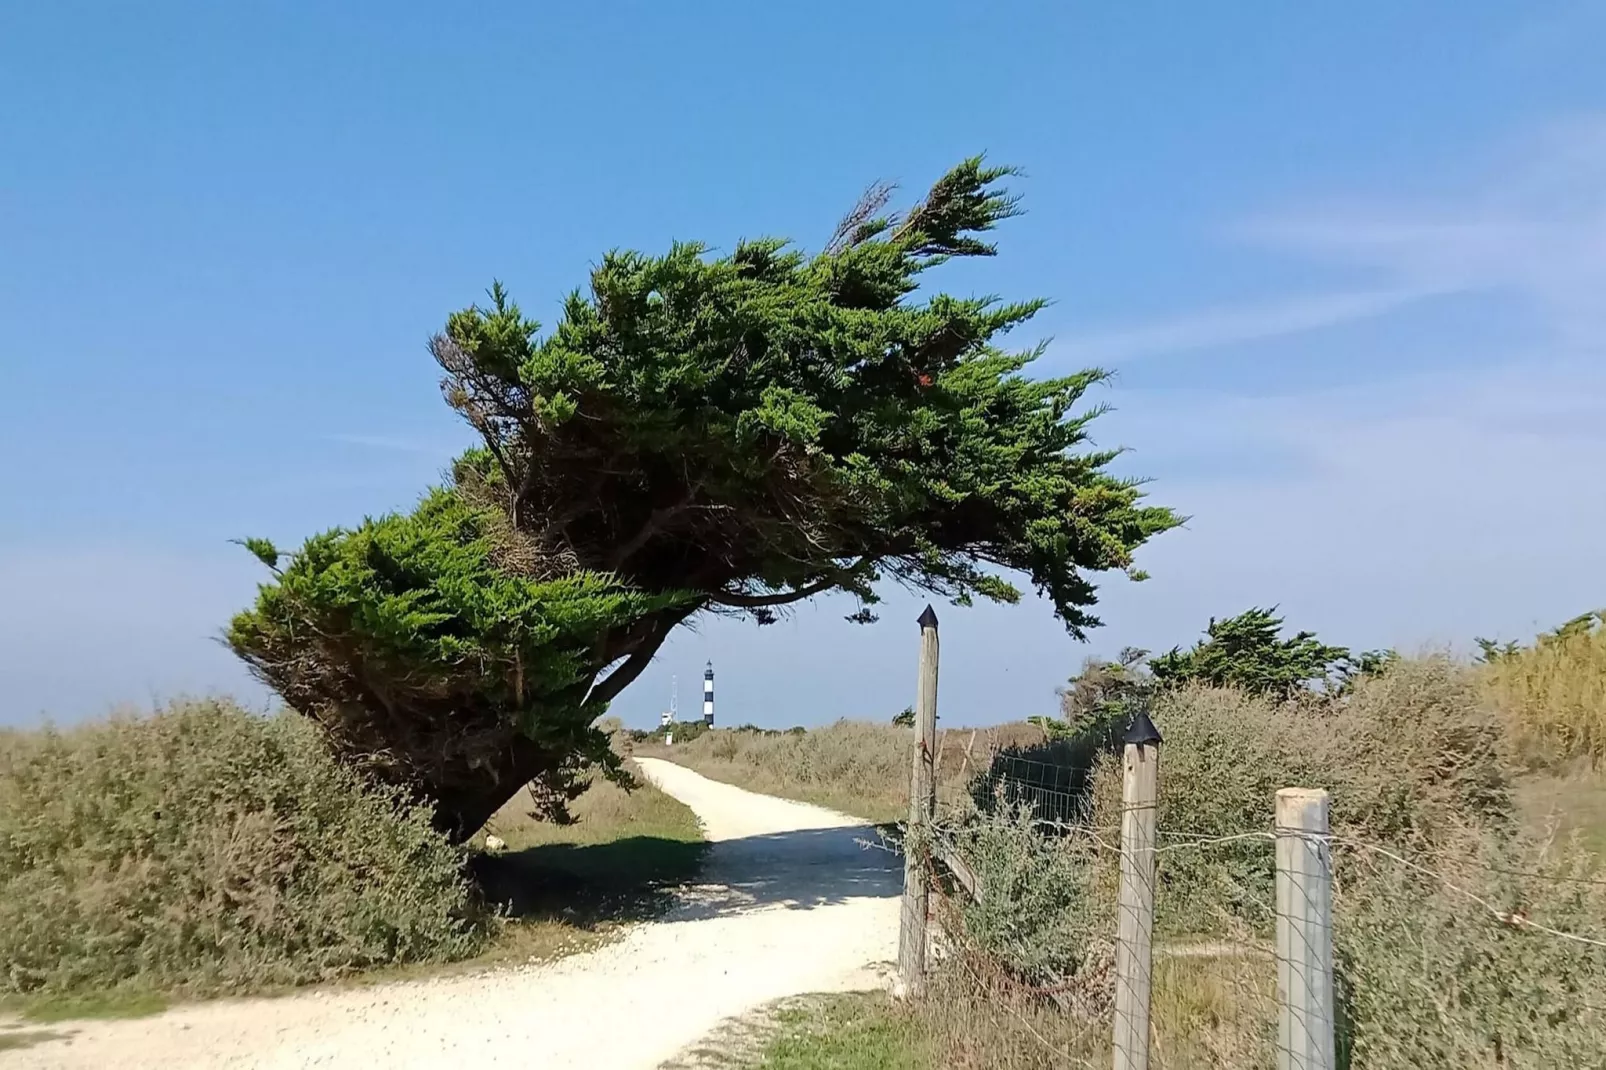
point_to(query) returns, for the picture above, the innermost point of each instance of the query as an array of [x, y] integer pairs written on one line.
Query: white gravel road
[[793, 903]]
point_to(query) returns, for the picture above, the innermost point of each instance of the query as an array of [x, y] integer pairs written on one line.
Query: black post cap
[[1141, 732], [928, 619]]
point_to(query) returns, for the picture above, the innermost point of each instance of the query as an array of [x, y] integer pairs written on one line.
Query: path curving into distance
[[791, 902]]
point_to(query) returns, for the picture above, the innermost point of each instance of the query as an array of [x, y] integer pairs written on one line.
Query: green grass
[[117, 1003], [852, 1032], [849, 1031], [17, 1040]]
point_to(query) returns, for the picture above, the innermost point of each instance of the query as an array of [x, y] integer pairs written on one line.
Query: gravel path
[[792, 904]]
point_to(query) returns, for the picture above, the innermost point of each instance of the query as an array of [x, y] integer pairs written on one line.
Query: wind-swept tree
[[699, 434]]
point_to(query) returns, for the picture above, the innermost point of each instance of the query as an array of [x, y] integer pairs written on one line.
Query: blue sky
[[1348, 264]]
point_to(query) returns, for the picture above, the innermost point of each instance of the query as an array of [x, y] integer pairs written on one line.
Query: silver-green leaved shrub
[[204, 849]]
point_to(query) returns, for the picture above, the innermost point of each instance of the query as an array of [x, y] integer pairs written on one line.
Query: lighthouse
[[708, 695]]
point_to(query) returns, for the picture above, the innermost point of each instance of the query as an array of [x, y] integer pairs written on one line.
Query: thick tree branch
[[754, 601], [633, 666]]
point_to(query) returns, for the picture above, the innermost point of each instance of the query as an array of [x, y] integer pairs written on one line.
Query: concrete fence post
[[1304, 931]]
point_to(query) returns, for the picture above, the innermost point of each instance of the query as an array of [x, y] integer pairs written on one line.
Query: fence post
[[1134, 947], [922, 805], [1304, 931]]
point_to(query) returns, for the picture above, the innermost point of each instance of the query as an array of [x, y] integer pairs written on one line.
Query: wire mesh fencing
[[1113, 938]]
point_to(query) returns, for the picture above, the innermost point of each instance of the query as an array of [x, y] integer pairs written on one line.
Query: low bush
[[202, 850], [1429, 858], [1429, 976], [1413, 758], [1041, 916]]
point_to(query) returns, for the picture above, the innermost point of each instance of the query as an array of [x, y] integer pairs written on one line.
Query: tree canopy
[[1247, 652], [699, 433]]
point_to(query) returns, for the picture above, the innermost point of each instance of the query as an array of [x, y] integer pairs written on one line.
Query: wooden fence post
[[1304, 931], [1134, 940], [922, 806]]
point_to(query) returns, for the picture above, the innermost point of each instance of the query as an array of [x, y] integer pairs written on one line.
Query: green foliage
[[770, 424], [419, 653], [1041, 917], [904, 718], [1097, 703], [203, 849], [1245, 652], [698, 433], [1428, 977], [681, 731]]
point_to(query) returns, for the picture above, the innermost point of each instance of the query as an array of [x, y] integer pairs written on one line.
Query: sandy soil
[[793, 903]]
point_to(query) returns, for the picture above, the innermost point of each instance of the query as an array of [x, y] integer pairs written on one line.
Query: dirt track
[[792, 903]]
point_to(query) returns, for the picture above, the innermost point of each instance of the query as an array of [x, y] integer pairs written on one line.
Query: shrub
[[1412, 758], [1427, 977], [1040, 916], [1554, 692], [203, 849]]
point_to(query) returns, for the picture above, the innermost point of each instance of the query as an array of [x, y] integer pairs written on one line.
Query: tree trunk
[[463, 805]]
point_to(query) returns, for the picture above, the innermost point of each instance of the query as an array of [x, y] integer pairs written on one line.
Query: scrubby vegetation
[[205, 850], [1441, 872]]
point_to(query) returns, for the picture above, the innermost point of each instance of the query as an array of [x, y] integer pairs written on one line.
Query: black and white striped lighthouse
[[708, 695]]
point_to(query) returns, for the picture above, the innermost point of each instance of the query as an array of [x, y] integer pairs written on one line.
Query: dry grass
[[1554, 694], [1570, 803], [856, 767], [970, 1023]]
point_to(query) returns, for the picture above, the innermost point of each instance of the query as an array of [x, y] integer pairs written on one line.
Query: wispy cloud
[[1533, 226], [1233, 324]]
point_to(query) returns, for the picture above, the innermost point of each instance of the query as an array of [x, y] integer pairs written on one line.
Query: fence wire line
[[1516, 920], [1044, 789]]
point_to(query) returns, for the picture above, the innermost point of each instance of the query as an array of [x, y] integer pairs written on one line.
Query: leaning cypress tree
[[699, 434]]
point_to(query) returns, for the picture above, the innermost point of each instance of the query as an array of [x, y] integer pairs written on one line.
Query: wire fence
[[1129, 943]]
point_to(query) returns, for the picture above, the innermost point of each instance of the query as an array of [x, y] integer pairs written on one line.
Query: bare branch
[[871, 201]]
